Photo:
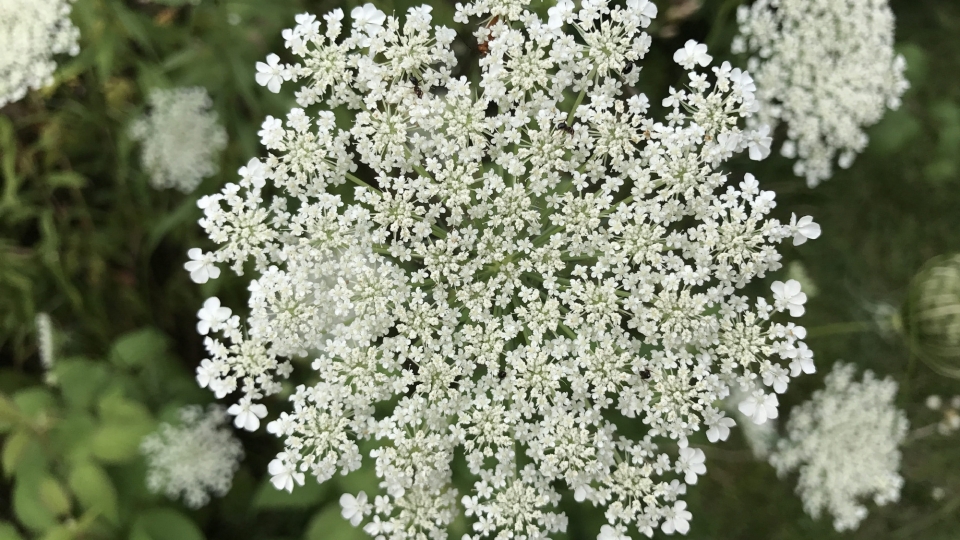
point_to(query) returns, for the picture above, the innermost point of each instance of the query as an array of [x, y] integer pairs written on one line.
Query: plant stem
[[853, 327]]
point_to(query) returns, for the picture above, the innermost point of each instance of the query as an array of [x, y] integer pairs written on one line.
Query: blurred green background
[[84, 238]]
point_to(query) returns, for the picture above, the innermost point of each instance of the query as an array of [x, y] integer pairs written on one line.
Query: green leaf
[[27, 506], [33, 402], [139, 348], [116, 409], [60, 532], [8, 531], [94, 490], [308, 495], [81, 381], [14, 449], [329, 525], [117, 443], [164, 524], [53, 496]]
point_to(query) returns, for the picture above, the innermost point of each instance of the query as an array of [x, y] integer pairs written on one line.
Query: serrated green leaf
[[94, 490], [164, 524]]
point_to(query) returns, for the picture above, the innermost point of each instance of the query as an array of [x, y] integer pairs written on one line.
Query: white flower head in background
[[45, 340], [827, 70], [32, 32], [845, 444], [181, 138], [521, 256], [193, 459]]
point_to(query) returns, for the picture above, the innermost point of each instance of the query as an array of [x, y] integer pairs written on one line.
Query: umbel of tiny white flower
[[845, 444], [181, 138], [32, 32], [827, 70], [193, 459], [523, 258]]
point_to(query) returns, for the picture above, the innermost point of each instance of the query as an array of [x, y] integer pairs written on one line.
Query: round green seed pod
[[932, 315]]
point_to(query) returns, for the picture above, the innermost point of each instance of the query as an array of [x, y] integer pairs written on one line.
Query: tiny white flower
[[691, 464], [804, 229], [559, 14], [247, 414], [353, 508], [284, 475], [212, 316], [788, 296], [610, 533], [721, 429], [692, 54], [760, 406], [201, 266], [270, 74], [758, 142], [934, 402], [802, 361], [368, 18], [676, 519]]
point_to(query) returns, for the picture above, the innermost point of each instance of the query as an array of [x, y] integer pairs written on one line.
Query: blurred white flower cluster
[[194, 459], [825, 68], [521, 257], [845, 444], [950, 421], [31, 33], [182, 138]]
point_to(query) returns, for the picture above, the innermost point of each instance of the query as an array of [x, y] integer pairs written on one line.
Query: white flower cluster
[[826, 69], [525, 259], [844, 442], [182, 138], [194, 459], [31, 33]]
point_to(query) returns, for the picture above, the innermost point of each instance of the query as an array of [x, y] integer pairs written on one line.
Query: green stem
[[583, 93], [359, 182]]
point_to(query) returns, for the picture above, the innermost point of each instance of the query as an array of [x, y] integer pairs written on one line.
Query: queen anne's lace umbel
[[31, 33], [845, 443], [182, 138], [523, 261], [826, 69], [193, 459]]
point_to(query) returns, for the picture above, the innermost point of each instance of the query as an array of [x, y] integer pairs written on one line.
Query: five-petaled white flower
[[720, 430], [212, 316], [368, 18], [271, 74], [283, 475], [609, 533], [758, 142], [354, 508], [760, 406], [677, 519], [804, 229], [201, 266], [646, 9], [691, 464], [802, 361], [559, 14], [691, 54], [788, 296], [247, 413]]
